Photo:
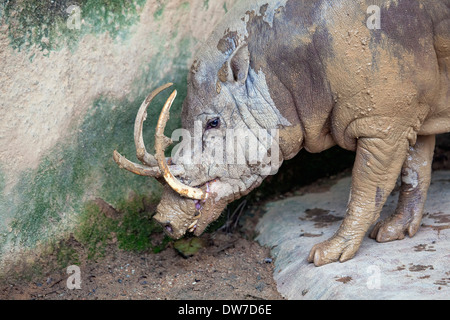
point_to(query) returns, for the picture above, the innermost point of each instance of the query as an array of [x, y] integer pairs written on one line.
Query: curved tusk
[[136, 168], [161, 142], [143, 170], [141, 152]]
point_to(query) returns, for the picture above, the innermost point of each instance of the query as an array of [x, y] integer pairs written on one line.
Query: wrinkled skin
[[315, 71]]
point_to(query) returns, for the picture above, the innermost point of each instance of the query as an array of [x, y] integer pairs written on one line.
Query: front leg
[[377, 165], [416, 177]]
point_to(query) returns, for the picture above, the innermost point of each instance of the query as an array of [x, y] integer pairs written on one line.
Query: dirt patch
[[229, 267]]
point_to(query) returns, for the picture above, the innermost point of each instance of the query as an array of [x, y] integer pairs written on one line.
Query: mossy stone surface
[[52, 198]]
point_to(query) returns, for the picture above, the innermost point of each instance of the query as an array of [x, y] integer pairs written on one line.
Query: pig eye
[[213, 124]]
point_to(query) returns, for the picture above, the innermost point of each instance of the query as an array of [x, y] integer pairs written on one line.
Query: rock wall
[[72, 76]]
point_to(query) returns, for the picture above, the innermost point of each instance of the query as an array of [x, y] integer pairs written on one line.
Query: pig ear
[[240, 63]]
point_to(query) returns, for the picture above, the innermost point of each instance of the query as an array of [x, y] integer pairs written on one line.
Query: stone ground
[[413, 268]]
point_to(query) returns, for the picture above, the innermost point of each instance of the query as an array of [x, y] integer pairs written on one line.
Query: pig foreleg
[[377, 166], [416, 177]]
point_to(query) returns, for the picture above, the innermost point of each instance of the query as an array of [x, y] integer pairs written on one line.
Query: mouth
[[199, 207]]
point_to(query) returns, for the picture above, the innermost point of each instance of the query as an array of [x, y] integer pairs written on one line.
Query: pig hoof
[[335, 249], [394, 228]]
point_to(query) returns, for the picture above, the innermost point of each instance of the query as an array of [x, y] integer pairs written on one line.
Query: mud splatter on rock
[[419, 267], [344, 280], [400, 268], [444, 281], [424, 247], [321, 217], [440, 217], [311, 235]]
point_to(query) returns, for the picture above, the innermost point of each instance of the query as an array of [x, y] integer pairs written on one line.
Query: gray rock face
[[413, 268]]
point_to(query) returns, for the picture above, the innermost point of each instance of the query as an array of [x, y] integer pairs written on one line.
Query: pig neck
[[295, 75]]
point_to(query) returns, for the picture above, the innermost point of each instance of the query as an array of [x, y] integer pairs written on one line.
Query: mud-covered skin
[[316, 72]]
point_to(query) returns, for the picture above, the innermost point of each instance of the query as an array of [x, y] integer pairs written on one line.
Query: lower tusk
[[198, 215], [193, 226]]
